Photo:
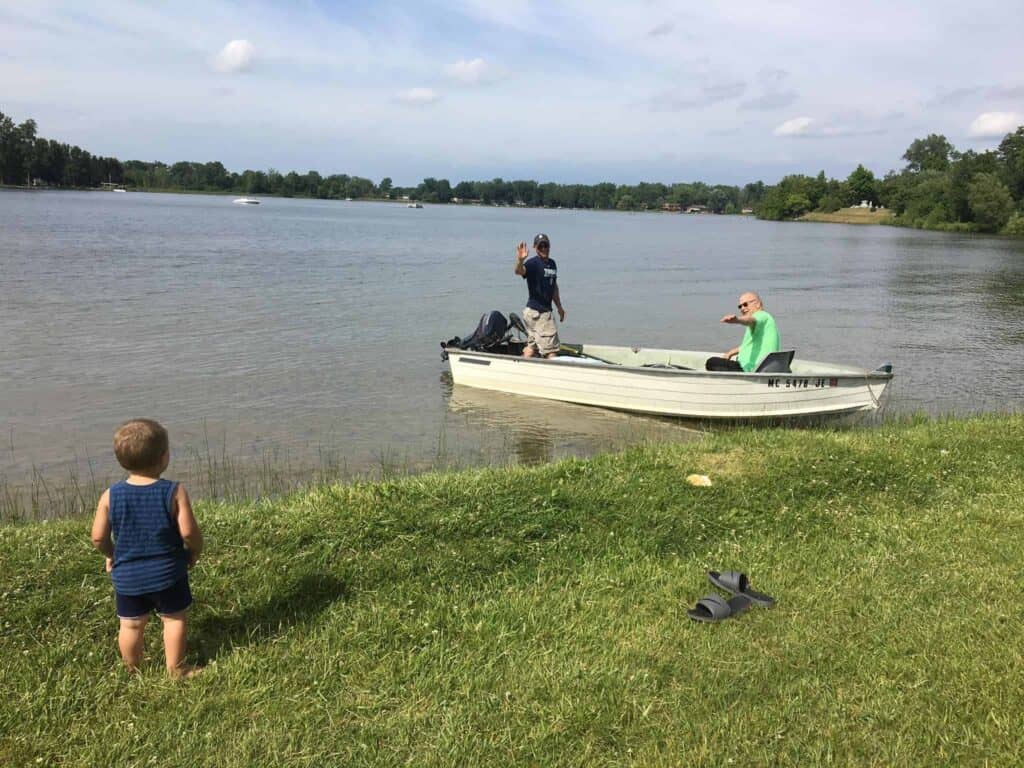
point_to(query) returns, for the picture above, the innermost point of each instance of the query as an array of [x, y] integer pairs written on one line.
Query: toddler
[[145, 527]]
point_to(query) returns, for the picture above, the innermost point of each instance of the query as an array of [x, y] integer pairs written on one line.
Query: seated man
[[760, 338]]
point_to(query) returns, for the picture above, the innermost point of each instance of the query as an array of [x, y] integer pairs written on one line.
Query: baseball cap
[[541, 238]]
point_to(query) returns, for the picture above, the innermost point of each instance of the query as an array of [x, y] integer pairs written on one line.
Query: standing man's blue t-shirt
[[541, 278]]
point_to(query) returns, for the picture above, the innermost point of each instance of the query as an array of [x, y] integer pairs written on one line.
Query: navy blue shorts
[[175, 599]]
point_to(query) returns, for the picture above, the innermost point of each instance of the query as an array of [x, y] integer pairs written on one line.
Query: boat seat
[[777, 362]]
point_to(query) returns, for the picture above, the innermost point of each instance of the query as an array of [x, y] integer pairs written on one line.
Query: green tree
[[718, 200], [862, 185], [604, 196], [16, 148], [1011, 157], [797, 205], [384, 188], [961, 174], [990, 202], [752, 194], [1015, 226], [625, 203], [927, 200], [929, 154]]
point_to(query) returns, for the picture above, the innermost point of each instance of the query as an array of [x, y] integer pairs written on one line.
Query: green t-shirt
[[759, 341]]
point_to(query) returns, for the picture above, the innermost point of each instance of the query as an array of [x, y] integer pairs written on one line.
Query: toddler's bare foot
[[184, 671]]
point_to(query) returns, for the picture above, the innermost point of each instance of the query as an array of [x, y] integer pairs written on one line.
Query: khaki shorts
[[543, 334]]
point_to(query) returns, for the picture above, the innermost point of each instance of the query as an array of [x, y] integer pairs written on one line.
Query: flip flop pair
[[713, 608]]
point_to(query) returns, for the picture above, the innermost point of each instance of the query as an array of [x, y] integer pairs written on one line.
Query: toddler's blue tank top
[[149, 554]]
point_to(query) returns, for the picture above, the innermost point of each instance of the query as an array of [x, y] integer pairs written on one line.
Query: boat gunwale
[[745, 376]]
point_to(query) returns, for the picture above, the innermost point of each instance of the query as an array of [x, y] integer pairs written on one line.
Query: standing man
[[760, 338], [541, 277]]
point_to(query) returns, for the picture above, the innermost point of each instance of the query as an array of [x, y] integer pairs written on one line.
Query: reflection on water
[[304, 327], [537, 431], [958, 305]]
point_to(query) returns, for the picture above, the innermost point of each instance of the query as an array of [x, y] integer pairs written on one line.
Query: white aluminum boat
[[246, 201], [671, 382]]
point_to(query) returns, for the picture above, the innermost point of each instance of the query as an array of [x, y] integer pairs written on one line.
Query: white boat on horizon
[[246, 201], [414, 205], [666, 382]]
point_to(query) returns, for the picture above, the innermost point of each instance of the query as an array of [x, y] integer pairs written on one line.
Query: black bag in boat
[[489, 332]]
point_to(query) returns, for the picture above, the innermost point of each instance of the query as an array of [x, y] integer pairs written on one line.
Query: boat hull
[[696, 394]]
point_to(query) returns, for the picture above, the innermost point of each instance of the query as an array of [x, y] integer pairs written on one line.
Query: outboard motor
[[490, 332]]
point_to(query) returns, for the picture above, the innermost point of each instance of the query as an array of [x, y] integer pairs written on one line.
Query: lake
[[303, 333]]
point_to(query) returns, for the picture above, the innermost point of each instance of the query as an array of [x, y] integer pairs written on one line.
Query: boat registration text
[[802, 383]]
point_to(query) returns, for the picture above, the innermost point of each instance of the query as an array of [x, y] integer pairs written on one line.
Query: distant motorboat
[[247, 201], [414, 205], [120, 189]]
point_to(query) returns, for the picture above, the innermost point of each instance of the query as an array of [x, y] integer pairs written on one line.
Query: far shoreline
[[273, 196], [857, 215]]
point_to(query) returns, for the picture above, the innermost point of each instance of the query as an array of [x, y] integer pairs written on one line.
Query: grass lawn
[[537, 616], [851, 216]]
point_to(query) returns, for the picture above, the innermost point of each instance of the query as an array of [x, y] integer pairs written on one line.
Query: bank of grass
[[536, 616], [851, 216]]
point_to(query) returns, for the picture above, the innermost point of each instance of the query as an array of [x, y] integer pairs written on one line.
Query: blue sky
[[560, 90]]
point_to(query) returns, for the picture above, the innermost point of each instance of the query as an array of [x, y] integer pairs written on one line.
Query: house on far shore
[[747, 210], [672, 207], [696, 209]]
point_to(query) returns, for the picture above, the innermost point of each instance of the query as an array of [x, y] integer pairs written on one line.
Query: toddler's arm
[[101, 527], [187, 525]]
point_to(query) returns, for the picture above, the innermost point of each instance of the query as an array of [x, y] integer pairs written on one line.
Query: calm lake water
[[297, 329]]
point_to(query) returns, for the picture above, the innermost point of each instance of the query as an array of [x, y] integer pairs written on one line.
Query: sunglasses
[[744, 305], [543, 247]]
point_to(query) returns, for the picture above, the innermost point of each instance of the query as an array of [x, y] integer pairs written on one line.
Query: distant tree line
[[27, 160], [938, 188]]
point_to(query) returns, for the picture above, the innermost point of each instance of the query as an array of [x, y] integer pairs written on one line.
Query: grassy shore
[[536, 616], [851, 216]]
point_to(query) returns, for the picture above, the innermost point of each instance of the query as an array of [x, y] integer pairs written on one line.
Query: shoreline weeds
[[518, 615]]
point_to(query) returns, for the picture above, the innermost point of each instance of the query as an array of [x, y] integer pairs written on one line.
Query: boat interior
[[496, 335]]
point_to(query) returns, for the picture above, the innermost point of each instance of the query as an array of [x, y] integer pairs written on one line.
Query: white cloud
[[994, 125], [472, 72], [236, 56], [419, 97], [798, 126]]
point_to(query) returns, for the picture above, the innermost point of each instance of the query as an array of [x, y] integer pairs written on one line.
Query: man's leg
[[530, 321], [130, 641], [546, 334]]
